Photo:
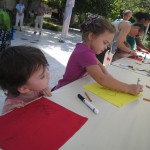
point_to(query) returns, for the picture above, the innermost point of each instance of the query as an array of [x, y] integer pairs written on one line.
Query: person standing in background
[[39, 18], [127, 14], [20, 14]]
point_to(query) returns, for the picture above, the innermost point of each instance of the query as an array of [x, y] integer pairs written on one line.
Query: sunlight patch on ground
[[61, 56]]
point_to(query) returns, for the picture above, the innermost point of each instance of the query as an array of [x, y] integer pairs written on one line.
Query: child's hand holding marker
[[137, 88]]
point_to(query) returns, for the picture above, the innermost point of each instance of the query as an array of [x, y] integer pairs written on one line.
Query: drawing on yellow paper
[[116, 98]]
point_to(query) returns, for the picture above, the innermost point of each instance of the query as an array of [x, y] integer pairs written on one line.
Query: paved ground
[[56, 53]]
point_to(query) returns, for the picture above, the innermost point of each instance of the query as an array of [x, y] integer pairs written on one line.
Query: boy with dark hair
[[23, 75]]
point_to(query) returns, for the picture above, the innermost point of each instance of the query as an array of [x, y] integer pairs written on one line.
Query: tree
[[110, 9], [135, 5], [101, 7]]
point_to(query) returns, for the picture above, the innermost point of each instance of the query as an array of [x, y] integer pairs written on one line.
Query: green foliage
[[135, 5], [147, 41], [111, 9], [95, 6], [5, 20], [56, 3]]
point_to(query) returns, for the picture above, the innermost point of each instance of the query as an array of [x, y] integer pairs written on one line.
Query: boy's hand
[[46, 92], [133, 53]]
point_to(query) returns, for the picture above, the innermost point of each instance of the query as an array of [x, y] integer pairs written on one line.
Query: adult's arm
[[124, 29], [140, 45]]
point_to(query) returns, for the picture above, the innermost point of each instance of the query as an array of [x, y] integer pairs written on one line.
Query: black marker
[[86, 102]]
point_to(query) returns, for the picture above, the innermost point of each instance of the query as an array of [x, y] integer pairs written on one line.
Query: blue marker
[[145, 58]]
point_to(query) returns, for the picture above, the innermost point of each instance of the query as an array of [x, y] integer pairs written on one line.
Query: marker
[[146, 99], [138, 81], [86, 102], [88, 97], [148, 86]]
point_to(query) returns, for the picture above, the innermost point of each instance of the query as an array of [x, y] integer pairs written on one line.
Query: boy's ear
[[23, 89]]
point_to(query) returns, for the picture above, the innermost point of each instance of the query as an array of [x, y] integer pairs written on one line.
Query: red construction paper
[[41, 125], [136, 58]]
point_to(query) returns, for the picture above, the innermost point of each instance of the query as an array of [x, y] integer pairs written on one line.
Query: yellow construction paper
[[116, 98]]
